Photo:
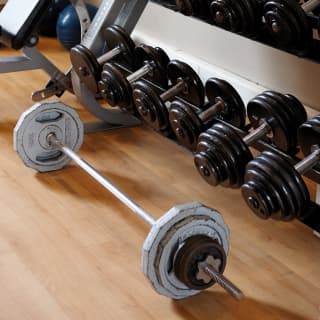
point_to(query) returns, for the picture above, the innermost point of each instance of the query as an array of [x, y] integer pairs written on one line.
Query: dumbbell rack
[[175, 38], [314, 21]]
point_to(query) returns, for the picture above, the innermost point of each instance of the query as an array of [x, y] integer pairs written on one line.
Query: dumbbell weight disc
[[235, 112], [309, 136], [150, 106], [228, 157], [273, 188], [294, 30], [30, 135], [143, 54], [177, 71], [87, 64], [115, 86], [264, 107], [115, 35]]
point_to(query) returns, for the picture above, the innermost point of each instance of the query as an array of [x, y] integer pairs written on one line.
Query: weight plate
[[287, 23], [115, 36], [226, 15], [168, 234], [144, 54], [234, 111], [273, 188], [185, 7], [221, 157], [86, 66], [150, 106], [262, 107], [180, 71], [282, 112], [185, 124], [34, 126], [297, 109], [309, 137], [115, 88]]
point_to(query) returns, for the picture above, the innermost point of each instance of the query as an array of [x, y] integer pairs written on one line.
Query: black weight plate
[[225, 15], [235, 111], [115, 87], [229, 150], [253, 17], [115, 36], [236, 169], [279, 179], [185, 7], [215, 160], [259, 193], [296, 194], [297, 108], [86, 66], [263, 108], [144, 54], [150, 106], [283, 111], [309, 135], [194, 250], [180, 71], [294, 30], [163, 57], [281, 24], [185, 124], [240, 149]]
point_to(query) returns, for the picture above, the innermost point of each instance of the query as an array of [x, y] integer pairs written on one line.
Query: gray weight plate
[[33, 127], [166, 237]]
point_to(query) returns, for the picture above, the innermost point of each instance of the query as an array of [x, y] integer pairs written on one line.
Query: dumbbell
[[116, 85], [197, 8], [120, 46], [240, 16], [287, 22], [222, 154], [186, 249], [273, 187], [224, 103], [151, 105]]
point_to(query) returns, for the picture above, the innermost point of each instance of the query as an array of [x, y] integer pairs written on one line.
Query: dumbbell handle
[[310, 5], [257, 133], [212, 111], [148, 67], [180, 86], [109, 55], [308, 162], [134, 207]]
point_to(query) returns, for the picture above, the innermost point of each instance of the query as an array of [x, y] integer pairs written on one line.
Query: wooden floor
[[69, 250]]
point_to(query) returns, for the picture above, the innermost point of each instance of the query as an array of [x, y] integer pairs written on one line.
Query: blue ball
[[68, 26]]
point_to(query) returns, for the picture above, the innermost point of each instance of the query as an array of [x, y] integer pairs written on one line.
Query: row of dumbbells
[[272, 183], [287, 24], [141, 79], [170, 97]]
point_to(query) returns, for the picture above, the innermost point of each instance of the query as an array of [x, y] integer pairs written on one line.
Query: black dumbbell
[[116, 85], [89, 68], [198, 8], [224, 103], [287, 22], [274, 187], [241, 16], [151, 104], [222, 154]]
